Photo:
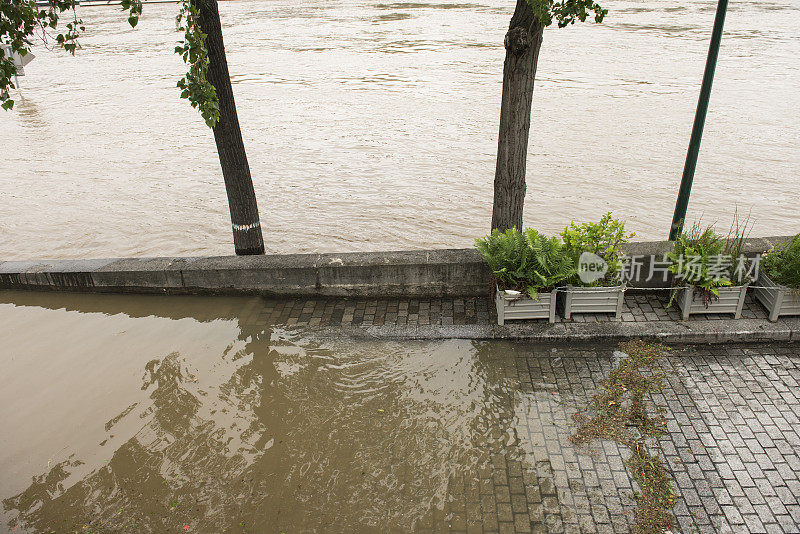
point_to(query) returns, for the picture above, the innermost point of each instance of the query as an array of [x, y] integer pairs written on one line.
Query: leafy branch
[[21, 21], [134, 9], [566, 12], [194, 85]]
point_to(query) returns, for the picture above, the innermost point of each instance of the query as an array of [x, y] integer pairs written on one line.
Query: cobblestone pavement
[[732, 446], [449, 311]]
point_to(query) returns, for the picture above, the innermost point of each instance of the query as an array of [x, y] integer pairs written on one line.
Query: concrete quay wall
[[417, 273]]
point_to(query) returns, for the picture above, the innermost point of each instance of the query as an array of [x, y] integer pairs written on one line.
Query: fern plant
[[507, 254], [526, 261], [782, 263], [604, 239], [550, 263]]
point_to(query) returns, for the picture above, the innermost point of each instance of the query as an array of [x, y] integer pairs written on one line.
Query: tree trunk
[[228, 136], [522, 43]]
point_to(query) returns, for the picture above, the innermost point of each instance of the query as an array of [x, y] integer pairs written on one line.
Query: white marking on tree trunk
[[243, 227]]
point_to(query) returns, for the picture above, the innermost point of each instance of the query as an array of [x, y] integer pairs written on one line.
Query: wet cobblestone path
[[471, 310], [732, 447]]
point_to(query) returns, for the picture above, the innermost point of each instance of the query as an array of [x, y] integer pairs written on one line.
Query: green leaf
[[194, 85]]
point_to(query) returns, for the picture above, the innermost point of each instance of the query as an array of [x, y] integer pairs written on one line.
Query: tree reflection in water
[[295, 434]]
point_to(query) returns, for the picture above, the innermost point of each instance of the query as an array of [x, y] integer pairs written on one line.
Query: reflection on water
[[240, 425], [154, 413], [373, 126]]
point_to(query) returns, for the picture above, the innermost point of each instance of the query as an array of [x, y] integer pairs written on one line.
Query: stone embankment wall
[[420, 273]]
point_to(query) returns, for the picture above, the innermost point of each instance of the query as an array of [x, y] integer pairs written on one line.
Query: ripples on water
[[373, 126], [151, 413]]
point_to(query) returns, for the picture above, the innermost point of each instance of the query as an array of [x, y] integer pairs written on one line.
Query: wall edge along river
[[417, 273]]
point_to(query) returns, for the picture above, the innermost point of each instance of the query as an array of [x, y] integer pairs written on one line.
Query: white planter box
[[731, 300], [777, 299], [594, 300], [510, 307]]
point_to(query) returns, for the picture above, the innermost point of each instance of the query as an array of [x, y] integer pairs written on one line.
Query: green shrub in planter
[[782, 264], [695, 260], [708, 265], [599, 244], [526, 264], [507, 254], [779, 280], [604, 239]]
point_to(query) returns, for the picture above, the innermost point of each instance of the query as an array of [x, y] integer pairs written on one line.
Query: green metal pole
[[699, 121]]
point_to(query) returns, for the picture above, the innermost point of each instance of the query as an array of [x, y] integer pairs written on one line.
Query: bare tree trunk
[[522, 42], [228, 136]]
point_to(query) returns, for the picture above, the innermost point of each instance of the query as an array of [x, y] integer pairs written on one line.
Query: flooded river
[[373, 126]]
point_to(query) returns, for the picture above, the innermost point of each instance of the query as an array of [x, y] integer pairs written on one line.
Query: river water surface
[[373, 126]]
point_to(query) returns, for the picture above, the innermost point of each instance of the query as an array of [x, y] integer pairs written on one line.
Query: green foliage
[[22, 20], [507, 255], [709, 261], [734, 243], [782, 263], [551, 264], [134, 9], [604, 238], [194, 85], [699, 259], [527, 261], [566, 12]]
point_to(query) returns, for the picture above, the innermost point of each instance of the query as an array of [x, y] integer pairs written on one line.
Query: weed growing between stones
[[619, 412]]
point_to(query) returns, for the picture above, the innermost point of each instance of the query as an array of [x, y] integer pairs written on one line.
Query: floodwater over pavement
[[373, 126], [149, 413]]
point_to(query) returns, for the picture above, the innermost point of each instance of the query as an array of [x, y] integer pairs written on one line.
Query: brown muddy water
[[145, 414], [372, 125]]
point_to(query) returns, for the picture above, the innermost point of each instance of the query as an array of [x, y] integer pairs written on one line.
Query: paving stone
[[453, 311]]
